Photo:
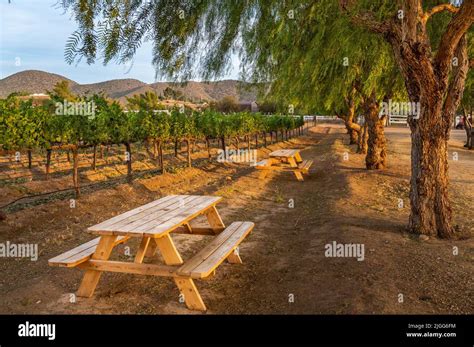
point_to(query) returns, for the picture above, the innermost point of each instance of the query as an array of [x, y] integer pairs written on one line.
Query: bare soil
[[284, 257]]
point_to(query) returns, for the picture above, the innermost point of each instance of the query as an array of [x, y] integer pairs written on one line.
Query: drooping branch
[[440, 8]]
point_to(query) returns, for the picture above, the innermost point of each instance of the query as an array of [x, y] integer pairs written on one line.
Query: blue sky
[[33, 34]]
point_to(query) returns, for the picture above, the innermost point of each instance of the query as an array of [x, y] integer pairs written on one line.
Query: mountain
[[33, 81]]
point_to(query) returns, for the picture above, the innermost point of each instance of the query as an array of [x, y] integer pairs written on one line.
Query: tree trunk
[[264, 139], [68, 156], [208, 147], [94, 158], [362, 143], [155, 149], [129, 161], [75, 172], [376, 144], [188, 149], [107, 151], [160, 153], [256, 140], [248, 143], [48, 163], [468, 128], [353, 129], [223, 143], [29, 159], [431, 212]]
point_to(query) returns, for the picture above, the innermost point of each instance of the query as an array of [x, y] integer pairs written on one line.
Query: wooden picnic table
[[153, 223], [285, 160]]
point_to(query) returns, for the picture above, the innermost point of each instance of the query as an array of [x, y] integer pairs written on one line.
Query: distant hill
[[33, 81]]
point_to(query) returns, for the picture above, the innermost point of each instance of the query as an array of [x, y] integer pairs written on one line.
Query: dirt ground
[[284, 257]]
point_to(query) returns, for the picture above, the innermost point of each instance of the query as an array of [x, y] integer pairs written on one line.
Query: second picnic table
[[285, 160], [153, 223]]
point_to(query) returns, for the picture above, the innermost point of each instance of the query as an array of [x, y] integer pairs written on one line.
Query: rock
[[423, 237]]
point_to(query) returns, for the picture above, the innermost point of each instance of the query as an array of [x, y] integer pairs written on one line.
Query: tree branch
[[437, 9], [367, 21], [455, 30], [456, 86]]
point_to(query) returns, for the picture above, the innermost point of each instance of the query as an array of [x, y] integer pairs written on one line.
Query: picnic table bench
[[285, 160], [153, 223]]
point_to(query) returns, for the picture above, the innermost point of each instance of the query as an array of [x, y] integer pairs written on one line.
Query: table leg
[[234, 257], [186, 286], [91, 277], [215, 220], [292, 162], [168, 250], [298, 157], [191, 295], [299, 176], [294, 165], [142, 250]]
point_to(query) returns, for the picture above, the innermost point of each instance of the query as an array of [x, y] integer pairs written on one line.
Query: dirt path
[[285, 255]]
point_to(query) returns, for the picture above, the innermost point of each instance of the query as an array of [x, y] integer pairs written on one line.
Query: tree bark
[[362, 143], [48, 163], [155, 149], [208, 147], [188, 150], [75, 172], [176, 148], [376, 144], [94, 158], [160, 153], [29, 159], [129, 161], [223, 143], [438, 85]]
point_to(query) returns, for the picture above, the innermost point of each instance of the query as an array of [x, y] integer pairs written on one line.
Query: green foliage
[[23, 126], [298, 45]]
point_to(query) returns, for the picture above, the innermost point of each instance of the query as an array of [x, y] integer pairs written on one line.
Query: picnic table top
[[156, 218], [287, 153]]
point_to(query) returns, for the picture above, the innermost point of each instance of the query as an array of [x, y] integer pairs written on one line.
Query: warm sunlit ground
[[340, 201]]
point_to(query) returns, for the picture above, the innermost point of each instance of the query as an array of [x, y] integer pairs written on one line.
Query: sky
[[33, 35]]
